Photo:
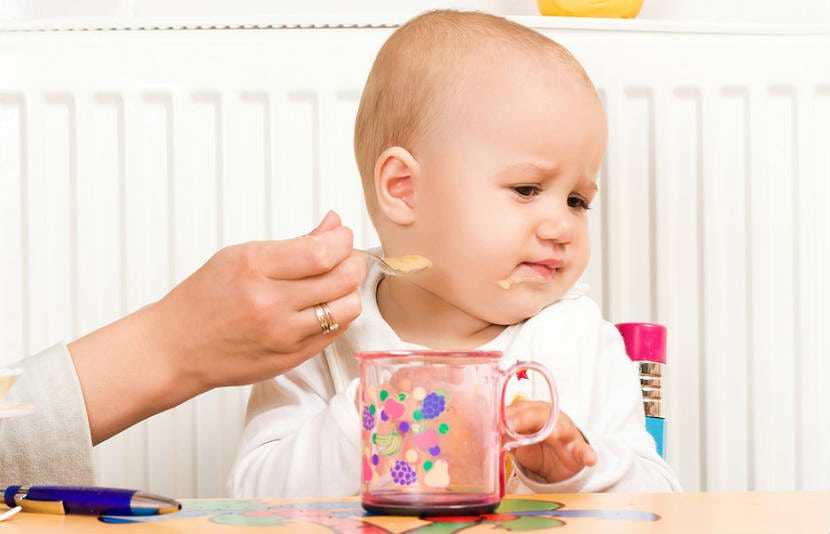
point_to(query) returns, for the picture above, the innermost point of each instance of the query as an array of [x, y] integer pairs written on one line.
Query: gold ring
[[324, 317]]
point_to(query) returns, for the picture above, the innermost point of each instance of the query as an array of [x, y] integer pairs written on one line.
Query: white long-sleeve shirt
[[302, 433], [53, 444]]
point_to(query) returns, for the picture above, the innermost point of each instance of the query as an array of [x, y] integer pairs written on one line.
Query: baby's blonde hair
[[415, 70]]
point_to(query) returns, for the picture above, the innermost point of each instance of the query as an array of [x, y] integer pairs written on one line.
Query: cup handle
[[520, 440]]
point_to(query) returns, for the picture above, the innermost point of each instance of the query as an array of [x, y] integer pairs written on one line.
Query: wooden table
[[698, 513]]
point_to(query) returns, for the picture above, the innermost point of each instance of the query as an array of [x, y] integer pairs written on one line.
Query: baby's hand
[[559, 456]]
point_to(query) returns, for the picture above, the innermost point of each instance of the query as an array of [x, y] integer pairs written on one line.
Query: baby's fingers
[[525, 417], [569, 438], [587, 454]]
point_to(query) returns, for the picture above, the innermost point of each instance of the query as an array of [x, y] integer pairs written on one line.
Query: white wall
[[726, 11]]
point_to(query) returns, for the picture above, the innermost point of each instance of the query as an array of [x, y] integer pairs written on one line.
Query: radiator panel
[[130, 161]]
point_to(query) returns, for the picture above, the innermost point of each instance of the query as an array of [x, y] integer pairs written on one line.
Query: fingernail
[[328, 221], [589, 457], [323, 220]]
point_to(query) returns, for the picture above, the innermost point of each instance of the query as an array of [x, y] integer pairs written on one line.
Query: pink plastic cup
[[432, 429]]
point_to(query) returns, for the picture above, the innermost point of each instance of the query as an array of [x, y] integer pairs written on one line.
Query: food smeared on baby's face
[[539, 271], [507, 283], [518, 278]]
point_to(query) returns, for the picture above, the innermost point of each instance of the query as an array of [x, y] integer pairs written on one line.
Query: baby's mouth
[[531, 272]]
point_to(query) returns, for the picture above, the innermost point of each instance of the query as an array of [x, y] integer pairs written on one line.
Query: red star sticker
[[522, 375]]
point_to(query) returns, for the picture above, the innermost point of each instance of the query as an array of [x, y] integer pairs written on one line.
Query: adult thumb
[[330, 221]]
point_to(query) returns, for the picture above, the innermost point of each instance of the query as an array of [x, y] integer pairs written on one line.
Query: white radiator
[[128, 156]]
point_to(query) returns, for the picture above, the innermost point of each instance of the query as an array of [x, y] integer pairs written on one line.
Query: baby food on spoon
[[408, 264]]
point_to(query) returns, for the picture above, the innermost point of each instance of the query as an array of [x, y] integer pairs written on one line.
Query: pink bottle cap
[[644, 342]]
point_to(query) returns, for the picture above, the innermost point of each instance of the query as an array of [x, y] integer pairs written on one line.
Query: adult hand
[[246, 315]]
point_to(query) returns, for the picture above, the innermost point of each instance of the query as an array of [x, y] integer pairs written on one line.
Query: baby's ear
[[396, 172]]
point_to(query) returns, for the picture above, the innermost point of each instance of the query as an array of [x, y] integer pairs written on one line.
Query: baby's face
[[507, 175]]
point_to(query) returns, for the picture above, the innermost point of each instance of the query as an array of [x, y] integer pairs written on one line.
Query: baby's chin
[[508, 319], [510, 313]]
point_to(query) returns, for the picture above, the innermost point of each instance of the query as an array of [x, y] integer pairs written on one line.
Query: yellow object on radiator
[[626, 9]]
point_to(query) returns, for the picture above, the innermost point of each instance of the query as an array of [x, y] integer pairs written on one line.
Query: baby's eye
[[527, 191], [575, 201]]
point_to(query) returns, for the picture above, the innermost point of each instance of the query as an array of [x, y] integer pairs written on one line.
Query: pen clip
[[42, 507]]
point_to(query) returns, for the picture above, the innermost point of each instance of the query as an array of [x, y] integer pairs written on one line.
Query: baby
[[478, 142]]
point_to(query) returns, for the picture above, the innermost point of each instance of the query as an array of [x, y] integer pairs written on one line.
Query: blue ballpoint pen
[[88, 500]]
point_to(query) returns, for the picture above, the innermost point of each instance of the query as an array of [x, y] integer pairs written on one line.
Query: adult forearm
[[127, 373], [246, 315]]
